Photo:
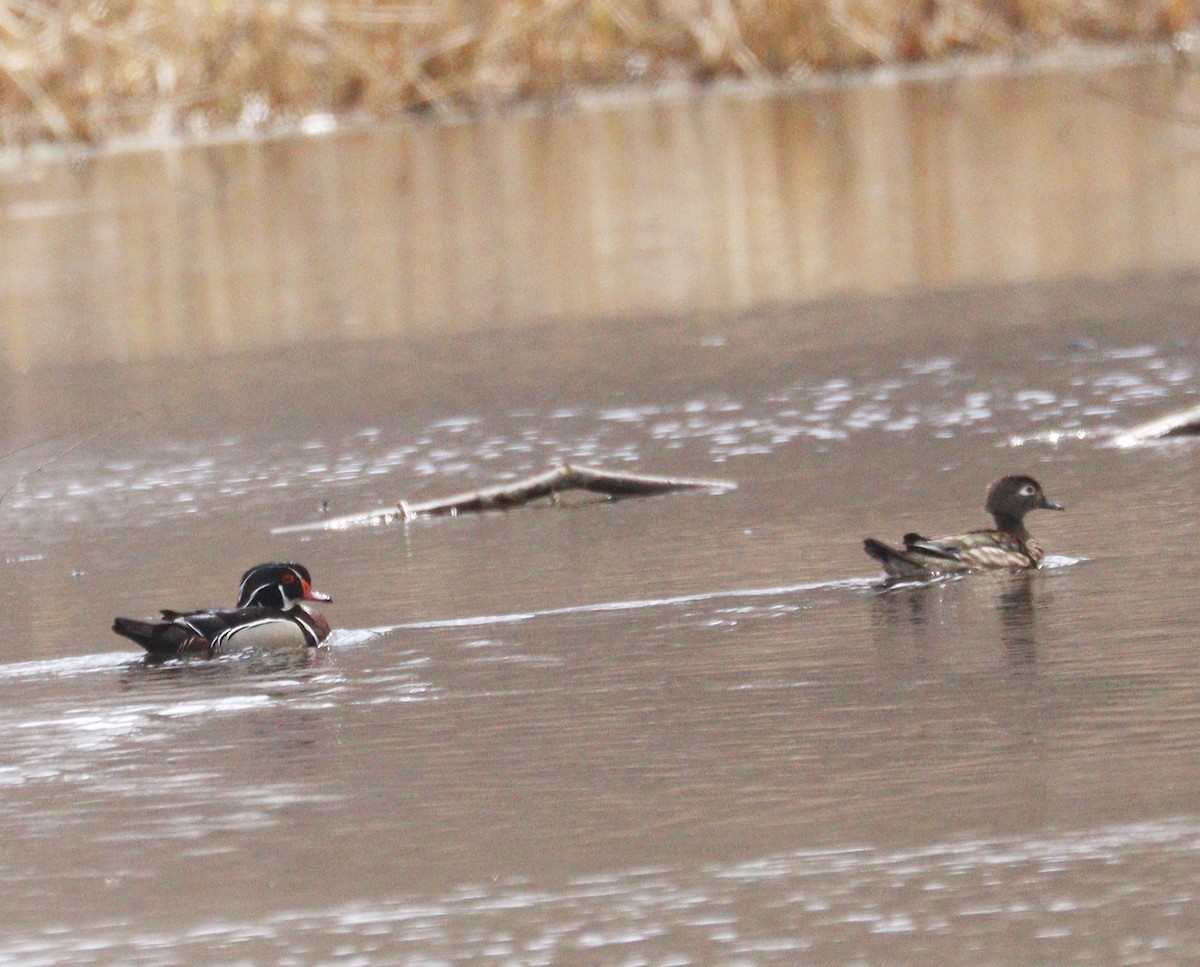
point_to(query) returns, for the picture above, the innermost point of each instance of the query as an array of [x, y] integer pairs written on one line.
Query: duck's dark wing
[[914, 561]]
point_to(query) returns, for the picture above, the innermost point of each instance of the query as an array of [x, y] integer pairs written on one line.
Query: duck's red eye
[[289, 578]]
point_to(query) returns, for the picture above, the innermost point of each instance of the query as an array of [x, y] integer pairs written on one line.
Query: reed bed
[[92, 70]]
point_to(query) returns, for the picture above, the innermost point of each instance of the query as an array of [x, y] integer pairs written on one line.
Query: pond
[[685, 729]]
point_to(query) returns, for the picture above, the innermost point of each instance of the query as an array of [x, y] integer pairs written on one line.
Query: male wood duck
[[270, 614], [1007, 545]]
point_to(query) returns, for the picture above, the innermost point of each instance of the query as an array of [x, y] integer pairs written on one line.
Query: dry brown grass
[[88, 70]]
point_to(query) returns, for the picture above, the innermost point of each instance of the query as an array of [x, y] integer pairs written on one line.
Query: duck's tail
[[897, 563], [160, 638]]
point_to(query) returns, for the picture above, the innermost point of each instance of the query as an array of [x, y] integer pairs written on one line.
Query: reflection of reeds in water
[[91, 69], [701, 205]]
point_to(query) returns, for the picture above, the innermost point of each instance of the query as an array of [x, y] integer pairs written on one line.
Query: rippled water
[[686, 730]]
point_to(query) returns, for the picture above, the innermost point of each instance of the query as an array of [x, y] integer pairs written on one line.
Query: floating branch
[[609, 484], [1184, 423]]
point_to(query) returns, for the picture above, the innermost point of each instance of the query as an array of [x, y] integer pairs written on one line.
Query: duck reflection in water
[[1017, 619], [933, 609]]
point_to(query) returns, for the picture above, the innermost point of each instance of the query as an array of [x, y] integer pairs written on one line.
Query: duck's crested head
[[1011, 498], [280, 584]]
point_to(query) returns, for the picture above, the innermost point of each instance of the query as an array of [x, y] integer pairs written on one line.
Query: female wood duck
[[269, 614], [1007, 545]]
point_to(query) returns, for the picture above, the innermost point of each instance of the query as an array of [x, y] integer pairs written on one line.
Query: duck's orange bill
[[311, 593]]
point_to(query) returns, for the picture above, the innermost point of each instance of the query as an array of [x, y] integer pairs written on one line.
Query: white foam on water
[[636, 604]]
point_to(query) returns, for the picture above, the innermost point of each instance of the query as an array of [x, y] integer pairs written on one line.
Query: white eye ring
[[1027, 491]]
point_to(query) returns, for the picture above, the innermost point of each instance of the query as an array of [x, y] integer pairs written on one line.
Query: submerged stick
[[96, 431], [610, 484]]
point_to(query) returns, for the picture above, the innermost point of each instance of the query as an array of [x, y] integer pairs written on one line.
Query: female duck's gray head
[[1009, 499]]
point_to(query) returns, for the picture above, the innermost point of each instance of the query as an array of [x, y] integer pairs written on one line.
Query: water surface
[[687, 730], [671, 731]]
